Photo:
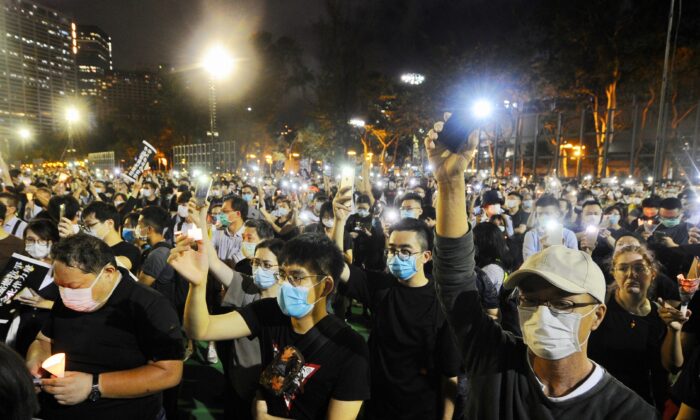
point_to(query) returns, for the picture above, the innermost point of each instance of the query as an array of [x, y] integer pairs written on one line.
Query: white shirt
[[532, 244], [592, 380], [10, 226]]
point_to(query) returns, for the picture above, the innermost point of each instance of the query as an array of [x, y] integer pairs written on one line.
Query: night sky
[[148, 32]]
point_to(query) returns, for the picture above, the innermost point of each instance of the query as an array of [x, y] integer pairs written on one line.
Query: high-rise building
[[37, 66], [94, 59], [130, 94]]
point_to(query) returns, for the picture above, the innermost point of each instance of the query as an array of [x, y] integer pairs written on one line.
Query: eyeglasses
[[639, 268], [294, 280], [559, 306], [257, 262], [403, 254]]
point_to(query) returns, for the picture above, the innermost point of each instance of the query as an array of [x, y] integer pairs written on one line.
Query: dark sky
[[148, 32]]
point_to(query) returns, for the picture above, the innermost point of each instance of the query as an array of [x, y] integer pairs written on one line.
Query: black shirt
[[411, 347], [687, 387], [130, 251], [501, 383], [337, 369], [520, 218], [629, 347], [367, 251], [136, 325]]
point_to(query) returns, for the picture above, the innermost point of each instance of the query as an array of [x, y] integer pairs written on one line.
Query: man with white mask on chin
[[546, 374]]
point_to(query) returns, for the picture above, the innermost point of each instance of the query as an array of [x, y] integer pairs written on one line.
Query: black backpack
[[175, 290]]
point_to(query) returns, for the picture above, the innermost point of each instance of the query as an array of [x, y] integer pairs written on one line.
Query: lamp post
[[72, 116], [24, 135], [218, 64]]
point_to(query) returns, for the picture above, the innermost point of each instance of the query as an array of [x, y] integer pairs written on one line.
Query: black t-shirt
[[687, 388], [367, 251], [336, 367], [520, 218], [130, 251], [629, 347], [137, 325], [411, 347]]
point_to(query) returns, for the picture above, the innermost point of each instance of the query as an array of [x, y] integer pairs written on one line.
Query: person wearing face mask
[[149, 196], [129, 224], [546, 373], [248, 193], [515, 206], [407, 325], [9, 244], [291, 328], [39, 236], [492, 254], [639, 341], [612, 219], [105, 323], [367, 233], [671, 231], [283, 219], [254, 232], [410, 206], [102, 221], [228, 240], [491, 204], [601, 247], [650, 213], [182, 222]]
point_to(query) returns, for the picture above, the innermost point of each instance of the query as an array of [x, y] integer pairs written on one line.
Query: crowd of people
[[486, 298]]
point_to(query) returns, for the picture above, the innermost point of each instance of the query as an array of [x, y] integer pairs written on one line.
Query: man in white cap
[[546, 374]]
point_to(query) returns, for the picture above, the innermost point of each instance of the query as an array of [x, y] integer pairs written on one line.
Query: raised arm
[[193, 266], [218, 268]]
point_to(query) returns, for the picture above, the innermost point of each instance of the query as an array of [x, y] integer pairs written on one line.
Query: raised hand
[[342, 204], [448, 165], [192, 265]]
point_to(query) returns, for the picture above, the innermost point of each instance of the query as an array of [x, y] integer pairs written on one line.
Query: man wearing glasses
[[314, 365], [546, 374], [414, 360]]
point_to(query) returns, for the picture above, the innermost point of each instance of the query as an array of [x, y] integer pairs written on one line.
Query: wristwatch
[[95, 393]]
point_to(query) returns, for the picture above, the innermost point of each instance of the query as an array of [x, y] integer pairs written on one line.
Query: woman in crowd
[[282, 219], [39, 236], [638, 341], [612, 217]]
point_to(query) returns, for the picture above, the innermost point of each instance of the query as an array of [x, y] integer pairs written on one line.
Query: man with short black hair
[[103, 222], [254, 232], [320, 360], [411, 206], [670, 232], [414, 361], [121, 340], [13, 224], [548, 220], [518, 215], [650, 213], [228, 240]]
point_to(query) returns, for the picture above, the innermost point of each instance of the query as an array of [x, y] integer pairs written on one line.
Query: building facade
[[38, 75], [94, 59]]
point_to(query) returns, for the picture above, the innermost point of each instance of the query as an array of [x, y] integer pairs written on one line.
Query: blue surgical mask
[[402, 269], [248, 197], [614, 219], [129, 235], [264, 279], [408, 214], [293, 301]]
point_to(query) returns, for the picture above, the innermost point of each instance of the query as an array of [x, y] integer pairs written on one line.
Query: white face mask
[[527, 204], [182, 211], [502, 228], [146, 193], [118, 203], [550, 335], [80, 300], [511, 204], [495, 209], [38, 251], [329, 223], [248, 249]]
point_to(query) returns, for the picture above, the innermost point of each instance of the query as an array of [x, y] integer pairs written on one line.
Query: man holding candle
[[121, 339]]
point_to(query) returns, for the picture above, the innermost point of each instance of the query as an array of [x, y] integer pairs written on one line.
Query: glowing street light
[[414, 79], [25, 133], [72, 115], [356, 122], [218, 62], [482, 109]]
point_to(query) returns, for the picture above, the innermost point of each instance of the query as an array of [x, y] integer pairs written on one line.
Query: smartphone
[[347, 180], [201, 193], [457, 130], [62, 177], [591, 235], [659, 236], [61, 212], [555, 233]]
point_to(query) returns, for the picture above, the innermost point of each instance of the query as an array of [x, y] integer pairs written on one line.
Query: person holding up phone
[[549, 229]]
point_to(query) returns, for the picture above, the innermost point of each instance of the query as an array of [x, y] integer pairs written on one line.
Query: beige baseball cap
[[567, 269]]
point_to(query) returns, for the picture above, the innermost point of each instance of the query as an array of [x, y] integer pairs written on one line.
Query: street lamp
[[218, 63], [482, 109], [24, 135], [414, 79], [72, 116], [356, 122]]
